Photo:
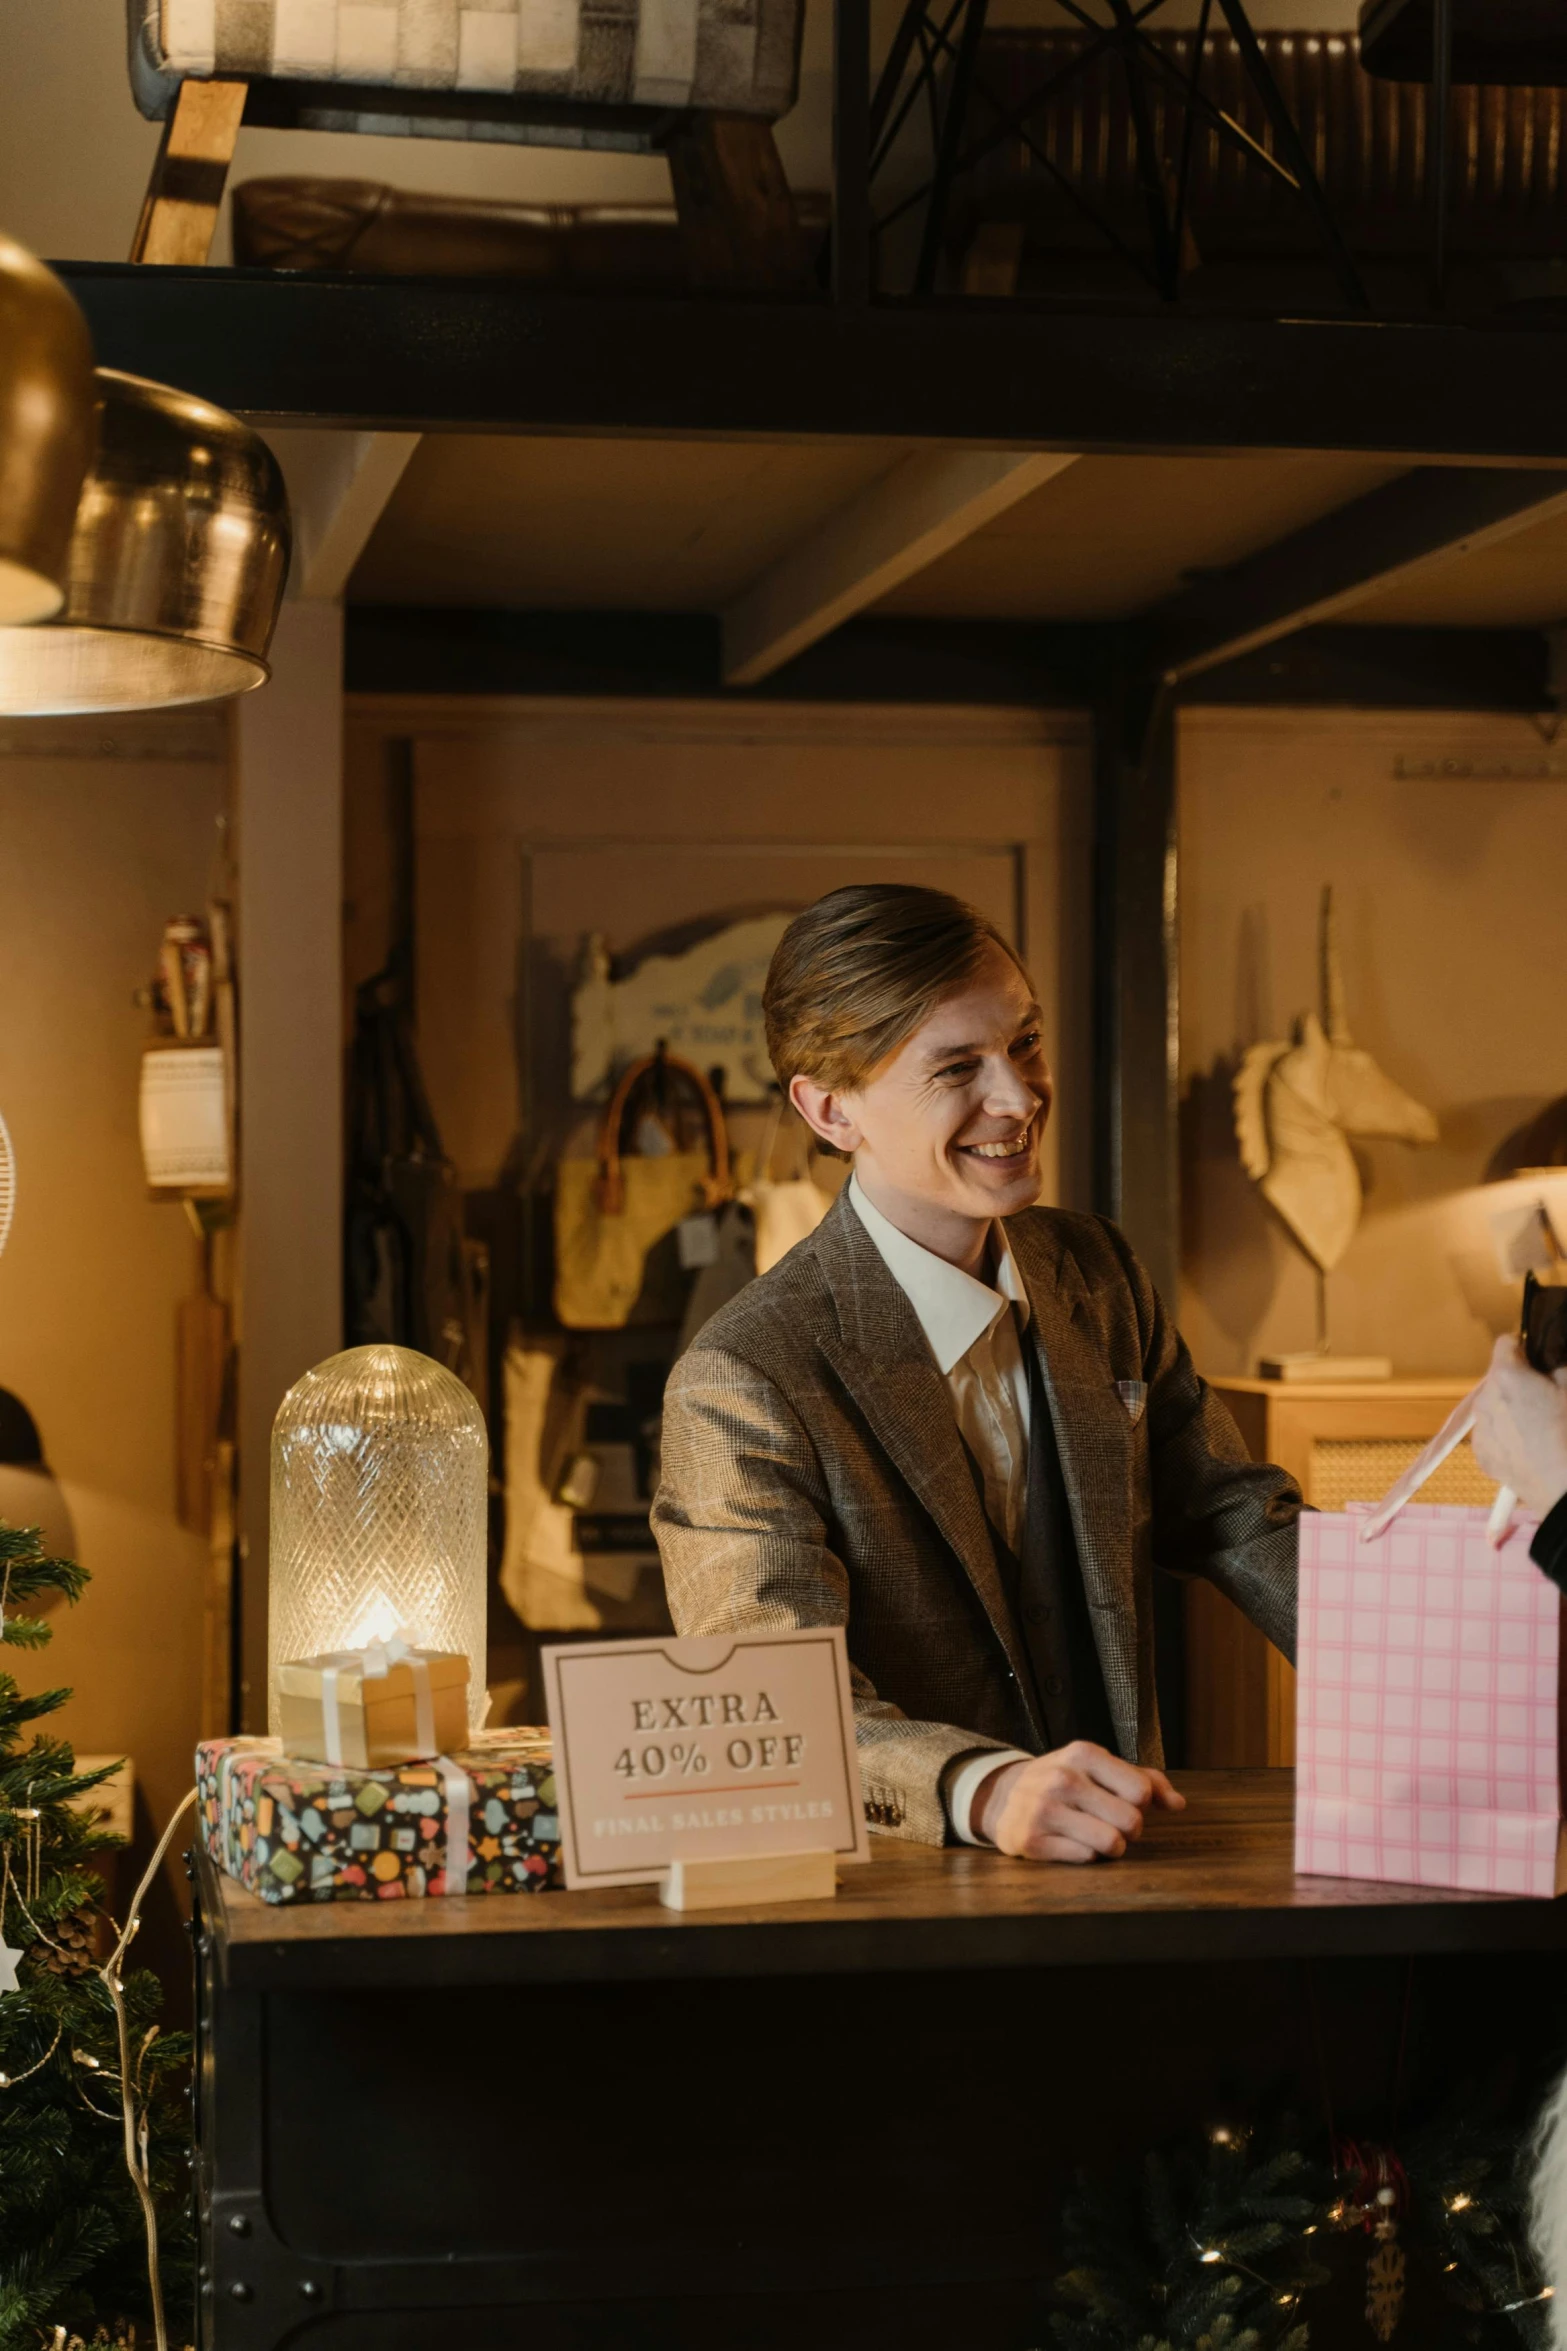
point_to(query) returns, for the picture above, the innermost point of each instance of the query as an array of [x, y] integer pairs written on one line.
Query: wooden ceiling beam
[[924, 506], [493, 355], [1428, 517], [339, 486]]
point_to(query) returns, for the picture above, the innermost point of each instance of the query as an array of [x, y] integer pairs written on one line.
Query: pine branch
[[72, 2243]]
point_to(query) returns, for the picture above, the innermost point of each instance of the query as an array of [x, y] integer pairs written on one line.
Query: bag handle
[[611, 1184]]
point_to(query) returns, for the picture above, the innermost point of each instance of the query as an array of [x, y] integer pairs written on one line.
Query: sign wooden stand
[[751, 1877]]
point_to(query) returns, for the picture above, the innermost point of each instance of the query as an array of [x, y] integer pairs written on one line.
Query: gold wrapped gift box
[[377, 1713]]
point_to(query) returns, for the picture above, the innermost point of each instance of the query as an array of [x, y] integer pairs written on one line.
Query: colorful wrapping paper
[[482, 1821], [1426, 1722]]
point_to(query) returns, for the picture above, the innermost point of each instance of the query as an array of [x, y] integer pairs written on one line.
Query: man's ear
[[826, 1114]]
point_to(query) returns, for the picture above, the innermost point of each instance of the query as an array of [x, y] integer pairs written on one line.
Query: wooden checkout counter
[[582, 2122]]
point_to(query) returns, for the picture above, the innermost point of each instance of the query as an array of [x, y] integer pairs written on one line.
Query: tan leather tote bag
[[617, 1258]]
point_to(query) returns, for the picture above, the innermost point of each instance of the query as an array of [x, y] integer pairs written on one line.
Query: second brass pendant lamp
[[47, 430], [144, 534]]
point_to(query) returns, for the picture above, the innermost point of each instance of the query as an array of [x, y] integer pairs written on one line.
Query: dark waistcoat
[[1044, 1588]]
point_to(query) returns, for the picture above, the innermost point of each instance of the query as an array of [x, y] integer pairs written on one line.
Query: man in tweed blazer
[[816, 1469]]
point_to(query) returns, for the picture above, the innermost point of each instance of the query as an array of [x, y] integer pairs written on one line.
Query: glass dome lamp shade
[[176, 565], [48, 410], [380, 1487]]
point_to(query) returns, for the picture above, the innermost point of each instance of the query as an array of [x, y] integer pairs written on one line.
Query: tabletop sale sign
[[692, 1750]]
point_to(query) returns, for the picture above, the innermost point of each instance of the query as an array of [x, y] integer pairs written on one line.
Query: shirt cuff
[[966, 1784]]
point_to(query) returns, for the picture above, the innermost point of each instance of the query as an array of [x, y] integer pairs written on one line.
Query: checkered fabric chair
[[703, 80]]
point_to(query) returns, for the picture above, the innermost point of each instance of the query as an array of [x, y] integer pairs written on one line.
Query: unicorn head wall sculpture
[[1295, 1105]]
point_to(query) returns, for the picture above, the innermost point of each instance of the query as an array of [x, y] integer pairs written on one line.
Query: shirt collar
[[954, 1309]]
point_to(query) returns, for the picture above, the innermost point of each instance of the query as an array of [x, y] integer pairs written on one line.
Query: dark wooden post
[[851, 151], [1136, 1026]]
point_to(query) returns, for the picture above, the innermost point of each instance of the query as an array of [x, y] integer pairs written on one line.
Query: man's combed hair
[[856, 974]]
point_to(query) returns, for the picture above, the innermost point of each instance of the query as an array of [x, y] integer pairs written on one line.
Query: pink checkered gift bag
[[1427, 1711]]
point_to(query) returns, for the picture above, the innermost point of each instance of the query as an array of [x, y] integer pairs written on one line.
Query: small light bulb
[[5, 2081], [1221, 2134], [1210, 2253], [1459, 2203]]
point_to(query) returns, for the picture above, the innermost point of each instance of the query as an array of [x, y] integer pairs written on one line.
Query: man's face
[[949, 1126]]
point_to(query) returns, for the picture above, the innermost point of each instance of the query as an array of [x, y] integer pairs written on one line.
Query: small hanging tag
[[697, 1238]]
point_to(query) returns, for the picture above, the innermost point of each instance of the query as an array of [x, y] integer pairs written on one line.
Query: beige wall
[[1446, 842], [539, 821], [95, 853]]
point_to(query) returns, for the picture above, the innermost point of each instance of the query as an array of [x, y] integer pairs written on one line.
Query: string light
[[136, 2141], [1459, 2203], [9, 2081]]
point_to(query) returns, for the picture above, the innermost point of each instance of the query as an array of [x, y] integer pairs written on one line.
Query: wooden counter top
[[1216, 1882]]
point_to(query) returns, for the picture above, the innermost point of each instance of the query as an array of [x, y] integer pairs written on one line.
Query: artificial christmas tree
[[73, 2230]]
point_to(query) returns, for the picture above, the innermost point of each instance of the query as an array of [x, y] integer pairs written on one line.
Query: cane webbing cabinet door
[[1344, 1442]]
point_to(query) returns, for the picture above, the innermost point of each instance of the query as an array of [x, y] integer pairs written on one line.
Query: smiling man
[[960, 1425]]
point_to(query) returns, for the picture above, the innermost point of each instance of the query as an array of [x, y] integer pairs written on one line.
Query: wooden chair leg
[[180, 211], [737, 217]]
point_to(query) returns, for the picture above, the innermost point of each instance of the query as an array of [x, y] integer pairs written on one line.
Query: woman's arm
[[1520, 1439]]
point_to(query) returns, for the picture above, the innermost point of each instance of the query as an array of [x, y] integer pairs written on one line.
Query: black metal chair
[[1509, 44], [935, 58]]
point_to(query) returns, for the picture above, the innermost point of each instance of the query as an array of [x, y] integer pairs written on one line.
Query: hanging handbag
[[617, 1215]]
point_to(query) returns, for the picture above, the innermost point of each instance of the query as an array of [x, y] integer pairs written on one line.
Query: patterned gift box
[[482, 1821], [1426, 1721]]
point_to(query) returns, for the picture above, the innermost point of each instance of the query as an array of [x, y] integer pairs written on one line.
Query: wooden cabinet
[[1345, 1442]]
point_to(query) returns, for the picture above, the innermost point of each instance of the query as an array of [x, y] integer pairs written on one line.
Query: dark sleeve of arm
[[1216, 1512], [1549, 1548]]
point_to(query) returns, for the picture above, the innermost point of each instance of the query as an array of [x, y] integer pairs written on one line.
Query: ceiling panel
[[1113, 535], [543, 523], [1519, 582]]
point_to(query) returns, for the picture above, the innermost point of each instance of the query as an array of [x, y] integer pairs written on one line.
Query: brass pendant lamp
[[47, 420], [175, 569]]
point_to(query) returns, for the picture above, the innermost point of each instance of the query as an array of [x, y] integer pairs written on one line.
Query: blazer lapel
[[882, 1356], [1093, 1433]]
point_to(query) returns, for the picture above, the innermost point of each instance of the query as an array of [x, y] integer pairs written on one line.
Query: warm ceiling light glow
[[175, 569]]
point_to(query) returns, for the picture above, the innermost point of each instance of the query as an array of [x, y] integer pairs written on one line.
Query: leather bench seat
[[303, 223]]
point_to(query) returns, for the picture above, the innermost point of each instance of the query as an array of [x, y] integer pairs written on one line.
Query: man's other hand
[[1520, 1431], [1079, 1804]]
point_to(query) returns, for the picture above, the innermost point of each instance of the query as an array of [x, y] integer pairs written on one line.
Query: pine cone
[[72, 1946]]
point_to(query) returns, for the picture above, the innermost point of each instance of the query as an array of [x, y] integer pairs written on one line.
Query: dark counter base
[[636, 2144]]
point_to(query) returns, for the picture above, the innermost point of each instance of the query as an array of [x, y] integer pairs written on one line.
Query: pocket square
[[1134, 1395]]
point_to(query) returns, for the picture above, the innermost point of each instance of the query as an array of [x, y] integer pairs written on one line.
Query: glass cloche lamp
[[380, 1477]]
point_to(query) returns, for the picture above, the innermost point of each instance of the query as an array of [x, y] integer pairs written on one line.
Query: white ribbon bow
[[374, 1662]]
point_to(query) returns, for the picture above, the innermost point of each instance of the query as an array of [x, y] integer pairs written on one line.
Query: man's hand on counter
[[1079, 1804]]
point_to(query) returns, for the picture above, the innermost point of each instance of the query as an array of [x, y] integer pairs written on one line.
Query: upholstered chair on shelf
[[701, 81]]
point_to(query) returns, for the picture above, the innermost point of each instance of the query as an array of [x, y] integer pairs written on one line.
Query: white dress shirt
[[975, 1331]]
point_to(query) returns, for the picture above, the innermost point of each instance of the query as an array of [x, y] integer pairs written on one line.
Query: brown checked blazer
[[813, 1474]]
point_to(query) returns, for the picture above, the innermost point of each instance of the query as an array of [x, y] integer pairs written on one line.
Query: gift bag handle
[[611, 1185]]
